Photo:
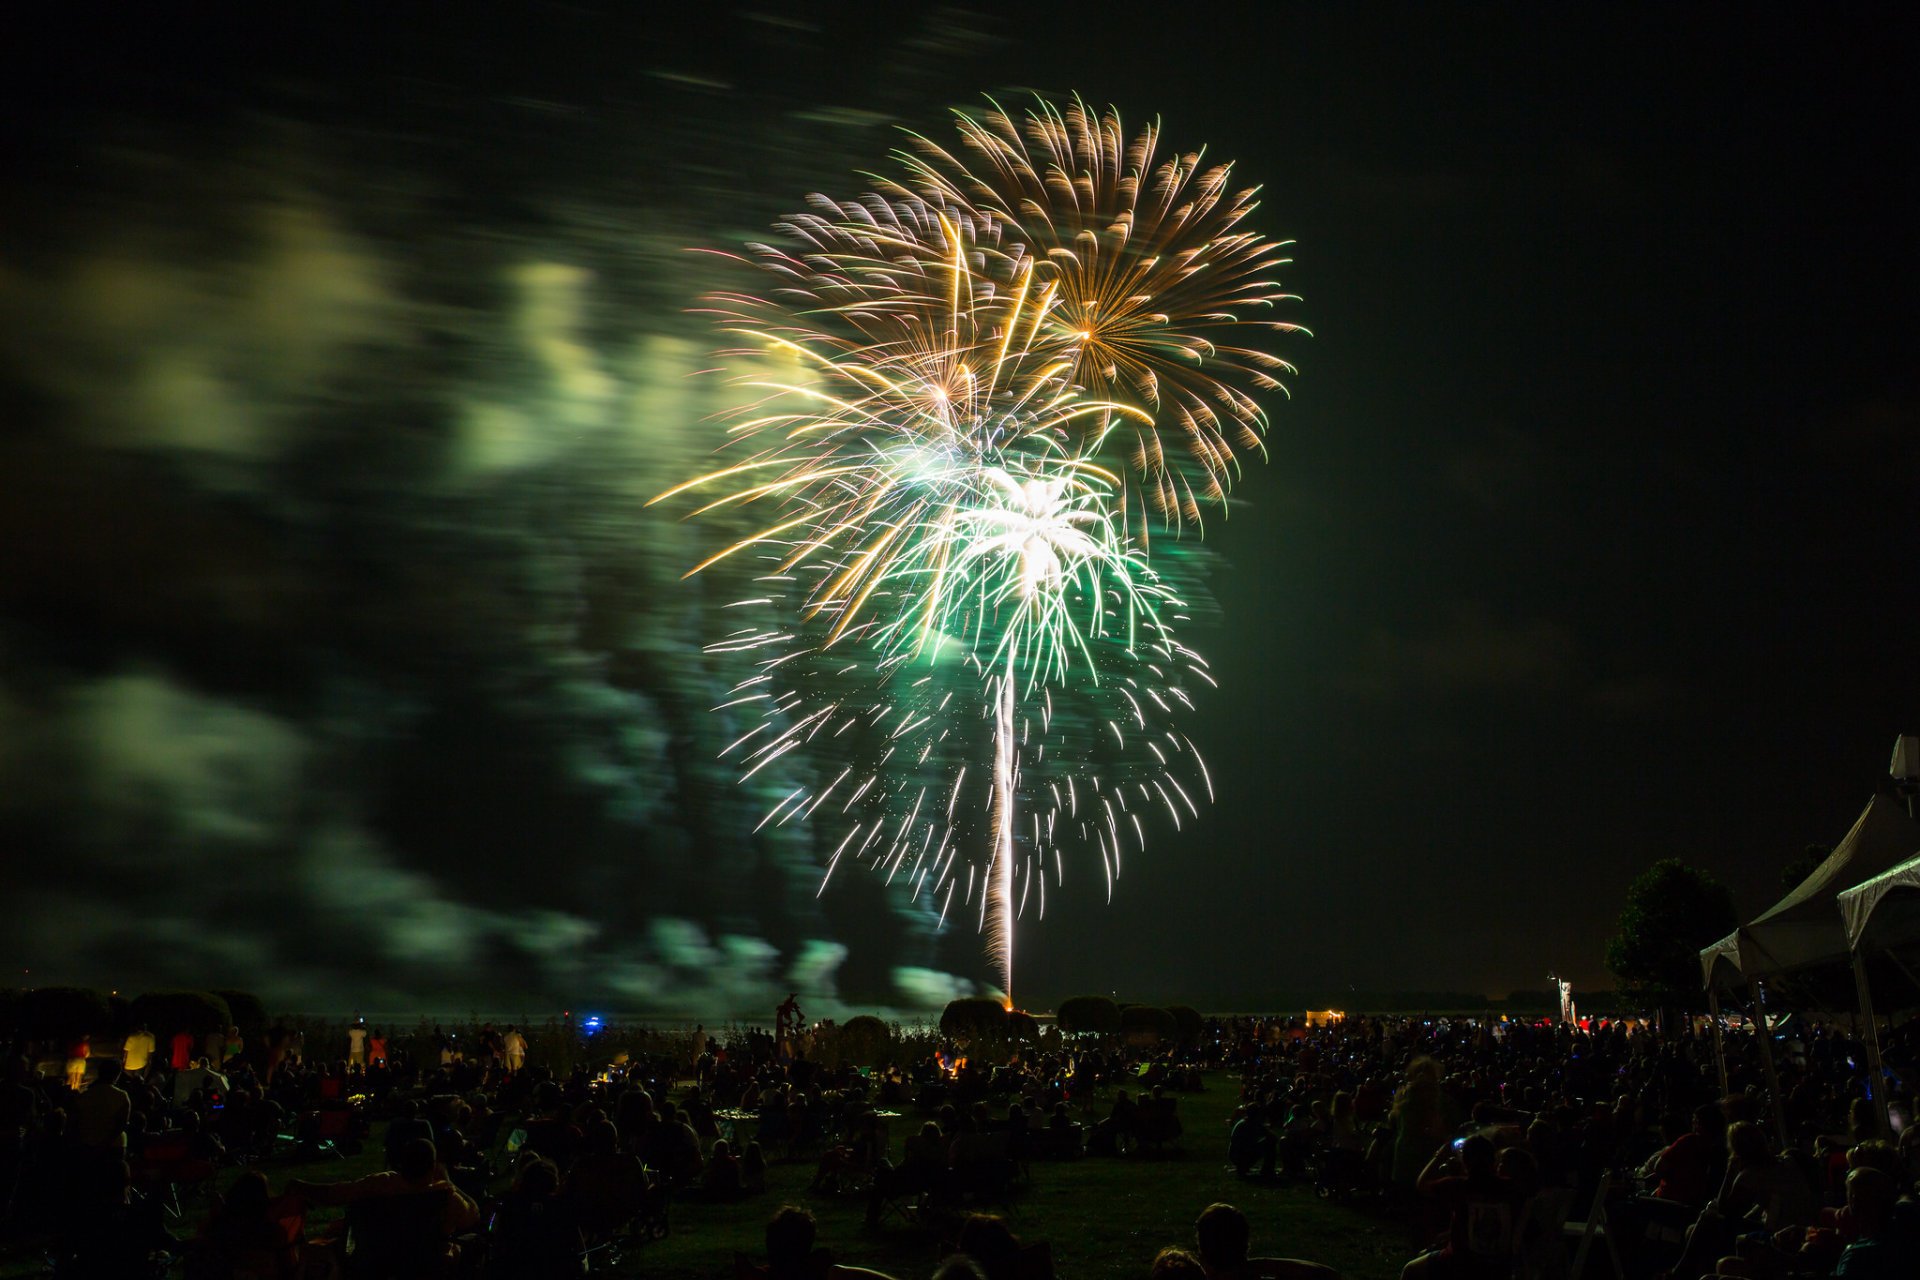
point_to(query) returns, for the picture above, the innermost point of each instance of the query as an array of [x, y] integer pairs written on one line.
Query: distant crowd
[[1492, 1144], [1494, 1135]]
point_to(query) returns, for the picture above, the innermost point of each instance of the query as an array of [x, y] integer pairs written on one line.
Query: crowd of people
[[1485, 1135], [1481, 1137]]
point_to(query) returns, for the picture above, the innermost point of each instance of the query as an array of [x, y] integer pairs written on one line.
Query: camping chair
[[168, 1170], [1156, 1125], [905, 1189], [616, 1212], [329, 1132], [397, 1237], [533, 1239], [1595, 1228], [985, 1179], [1540, 1237]]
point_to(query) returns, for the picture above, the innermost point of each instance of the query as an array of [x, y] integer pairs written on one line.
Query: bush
[[974, 1018], [1144, 1024], [248, 1013], [1089, 1015], [64, 1013], [1022, 1027], [1188, 1020], [166, 1012], [864, 1041]]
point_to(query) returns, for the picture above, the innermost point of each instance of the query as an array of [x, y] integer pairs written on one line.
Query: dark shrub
[[1144, 1024], [64, 1012], [248, 1013], [165, 1012], [974, 1018], [1188, 1021], [864, 1040], [1022, 1027], [1089, 1015]]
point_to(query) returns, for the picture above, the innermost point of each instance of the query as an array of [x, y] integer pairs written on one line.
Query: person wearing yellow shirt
[[137, 1051]]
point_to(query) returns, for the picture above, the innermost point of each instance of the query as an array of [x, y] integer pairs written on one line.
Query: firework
[[961, 613], [1157, 285]]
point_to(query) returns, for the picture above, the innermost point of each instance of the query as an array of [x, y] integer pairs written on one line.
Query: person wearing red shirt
[[1482, 1208]]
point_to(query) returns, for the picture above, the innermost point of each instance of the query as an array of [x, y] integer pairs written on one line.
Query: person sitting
[[1250, 1140], [722, 1179], [1888, 1242], [1176, 1264], [1105, 1137], [109, 1231], [990, 1243], [791, 1254], [753, 1169], [199, 1079], [534, 1231], [1757, 1180], [1224, 1239], [407, 1125], [251, 1236], [922, 1169], [416, 1170], [98, 1117], [1683, 1170], [1482, 1206], [607, 1186]]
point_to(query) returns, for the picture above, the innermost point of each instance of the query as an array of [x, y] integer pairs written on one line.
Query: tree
[[1089, 1015], [1803, 866], [1673, 910]]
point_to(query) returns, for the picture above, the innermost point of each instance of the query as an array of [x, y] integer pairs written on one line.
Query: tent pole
[[1877, 1080], [1719, 1045], [1766, 1062]]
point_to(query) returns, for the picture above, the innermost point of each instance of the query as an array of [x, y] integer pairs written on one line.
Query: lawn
[[1104, 1217]]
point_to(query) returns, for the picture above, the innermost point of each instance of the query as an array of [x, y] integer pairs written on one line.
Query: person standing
[[100, 1113], [77, 1054], [180, 1056], [137, 1051], [357, 1043], [377, 1049], [516, 1045]]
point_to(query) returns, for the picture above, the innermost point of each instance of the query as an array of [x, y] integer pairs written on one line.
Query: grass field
[[1104, 1217]]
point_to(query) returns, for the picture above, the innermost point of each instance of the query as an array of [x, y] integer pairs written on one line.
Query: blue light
[[591, 1025]]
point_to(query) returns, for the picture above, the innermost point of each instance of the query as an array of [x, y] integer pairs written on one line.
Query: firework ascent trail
[[966, 400]]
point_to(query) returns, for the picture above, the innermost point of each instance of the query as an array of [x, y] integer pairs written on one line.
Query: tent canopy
[[1888, 906], [1805, 929]]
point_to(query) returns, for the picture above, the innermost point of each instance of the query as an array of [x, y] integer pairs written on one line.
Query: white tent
[[1804, 929], [1889, 906]]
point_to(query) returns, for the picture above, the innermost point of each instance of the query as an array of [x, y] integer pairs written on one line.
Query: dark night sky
[[1586, 539]]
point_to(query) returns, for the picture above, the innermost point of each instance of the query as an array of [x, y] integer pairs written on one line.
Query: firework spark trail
[[998, 900], [964, 351]]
